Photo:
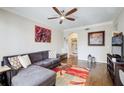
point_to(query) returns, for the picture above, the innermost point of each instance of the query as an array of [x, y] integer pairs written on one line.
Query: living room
[[19, 29]]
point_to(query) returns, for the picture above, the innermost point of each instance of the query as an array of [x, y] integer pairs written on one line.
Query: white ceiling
[[84, 15]]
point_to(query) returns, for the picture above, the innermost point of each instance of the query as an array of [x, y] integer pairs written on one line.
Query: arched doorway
[[72, 44]]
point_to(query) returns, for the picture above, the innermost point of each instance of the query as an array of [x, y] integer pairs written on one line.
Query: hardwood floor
[[98, 75]]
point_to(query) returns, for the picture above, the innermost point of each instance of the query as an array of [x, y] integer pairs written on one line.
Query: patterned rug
[[71, 76]]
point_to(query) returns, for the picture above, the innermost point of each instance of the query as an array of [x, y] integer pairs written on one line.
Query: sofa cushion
[[40, 63], [45, 55], [34, 76], [43, 63], [47, 62], [36, 57], [52, 60]]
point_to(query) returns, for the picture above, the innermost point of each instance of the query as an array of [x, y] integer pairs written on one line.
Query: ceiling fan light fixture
[[62, 17]]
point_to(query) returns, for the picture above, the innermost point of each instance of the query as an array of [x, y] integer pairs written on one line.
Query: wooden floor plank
[[98, 75]]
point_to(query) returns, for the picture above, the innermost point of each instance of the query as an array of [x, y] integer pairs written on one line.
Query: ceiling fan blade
[[69, 18], [71, 11], [60, 21], [57, 10], [53, 17]]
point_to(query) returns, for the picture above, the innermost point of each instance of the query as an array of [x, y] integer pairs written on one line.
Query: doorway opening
[[72, 45]]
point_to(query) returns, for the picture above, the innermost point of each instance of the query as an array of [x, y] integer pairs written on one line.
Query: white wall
[[17, 36], [98, 51], [120, 22]]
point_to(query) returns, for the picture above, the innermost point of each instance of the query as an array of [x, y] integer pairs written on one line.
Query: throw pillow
[[24, 60], [15, 63]]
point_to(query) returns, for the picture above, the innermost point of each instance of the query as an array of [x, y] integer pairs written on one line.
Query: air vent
[[87, 29]]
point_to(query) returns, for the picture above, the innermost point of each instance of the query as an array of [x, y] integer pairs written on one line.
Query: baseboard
[[96, 61]]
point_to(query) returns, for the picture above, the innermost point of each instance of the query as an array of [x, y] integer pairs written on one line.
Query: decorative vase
[[89, 58]]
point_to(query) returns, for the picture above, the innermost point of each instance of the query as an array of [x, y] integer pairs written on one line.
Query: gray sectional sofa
[[38, 73]]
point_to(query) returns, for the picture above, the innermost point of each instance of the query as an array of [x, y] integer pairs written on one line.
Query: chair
[[119, 75]]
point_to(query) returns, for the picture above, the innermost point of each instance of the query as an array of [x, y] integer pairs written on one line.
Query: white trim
[[96, 61], [87, 26]]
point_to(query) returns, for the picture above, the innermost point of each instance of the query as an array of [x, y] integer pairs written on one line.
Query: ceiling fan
[[63, 15]]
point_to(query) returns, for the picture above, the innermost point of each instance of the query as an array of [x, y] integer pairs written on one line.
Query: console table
[[113, 69]]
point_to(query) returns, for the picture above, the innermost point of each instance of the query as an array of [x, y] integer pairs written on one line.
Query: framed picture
[[117, 39], [42, 34], [96, 38]]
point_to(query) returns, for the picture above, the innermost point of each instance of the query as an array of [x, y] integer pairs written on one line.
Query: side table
[[3, 70]]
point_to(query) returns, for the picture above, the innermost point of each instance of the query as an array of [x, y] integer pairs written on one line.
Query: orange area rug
[[71, 76]]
